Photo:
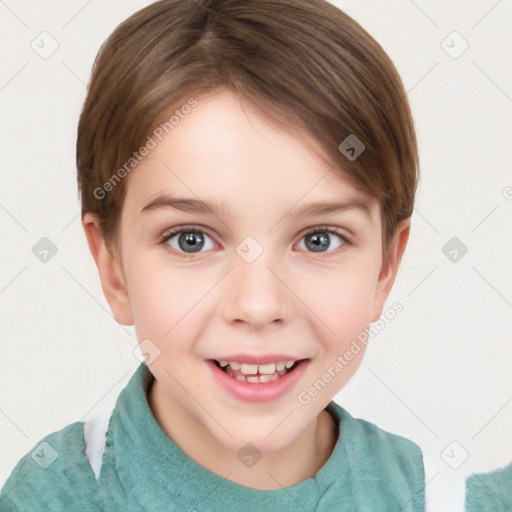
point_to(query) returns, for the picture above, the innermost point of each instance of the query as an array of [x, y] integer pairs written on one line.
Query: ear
[[110, 271], [389, 268]]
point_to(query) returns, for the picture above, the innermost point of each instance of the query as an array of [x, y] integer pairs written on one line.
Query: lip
[[258, 392]]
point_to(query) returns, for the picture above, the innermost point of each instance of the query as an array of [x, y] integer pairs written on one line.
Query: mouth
[[257, 373], [252, 382]]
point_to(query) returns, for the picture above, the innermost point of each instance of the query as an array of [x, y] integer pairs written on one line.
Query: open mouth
[[257, 373]]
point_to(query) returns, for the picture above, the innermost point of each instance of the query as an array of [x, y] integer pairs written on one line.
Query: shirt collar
[[155, 470]]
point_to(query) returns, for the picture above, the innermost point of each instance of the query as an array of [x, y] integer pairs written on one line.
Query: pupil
[[320, 241], [192, 242]]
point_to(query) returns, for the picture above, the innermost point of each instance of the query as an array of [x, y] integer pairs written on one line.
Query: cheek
[[165, 304], [341, 301]]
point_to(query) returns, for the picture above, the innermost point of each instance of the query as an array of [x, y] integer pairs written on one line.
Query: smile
[[256, 373], [249, 382]]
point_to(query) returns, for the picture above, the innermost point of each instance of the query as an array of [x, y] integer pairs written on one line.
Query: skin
[[290, 299]]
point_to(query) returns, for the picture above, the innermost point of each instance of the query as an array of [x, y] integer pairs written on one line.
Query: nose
[[256, 294]]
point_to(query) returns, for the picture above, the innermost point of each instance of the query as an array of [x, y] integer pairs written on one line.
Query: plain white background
[[439, 373]]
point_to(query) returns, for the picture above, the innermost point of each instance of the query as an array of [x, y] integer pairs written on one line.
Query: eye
[[190, 240], [318, 239]]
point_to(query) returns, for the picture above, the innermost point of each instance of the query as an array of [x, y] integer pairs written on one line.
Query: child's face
[[253, 285]]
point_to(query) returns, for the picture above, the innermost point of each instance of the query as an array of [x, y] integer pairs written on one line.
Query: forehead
[[226, 154]]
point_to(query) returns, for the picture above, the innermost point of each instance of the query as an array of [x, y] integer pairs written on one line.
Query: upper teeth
[[253, 369]]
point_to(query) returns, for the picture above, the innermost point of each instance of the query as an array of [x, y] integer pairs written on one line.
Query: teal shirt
[[369, 470]]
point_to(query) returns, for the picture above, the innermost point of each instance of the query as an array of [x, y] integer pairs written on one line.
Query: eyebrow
[[197, 206]]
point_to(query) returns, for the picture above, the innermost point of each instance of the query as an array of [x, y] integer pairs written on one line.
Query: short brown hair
[[304, 63]]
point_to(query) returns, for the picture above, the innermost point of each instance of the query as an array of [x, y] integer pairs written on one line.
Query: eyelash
[[197, 229]]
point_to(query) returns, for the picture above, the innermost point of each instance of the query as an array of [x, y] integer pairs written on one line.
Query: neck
[[289, 466]]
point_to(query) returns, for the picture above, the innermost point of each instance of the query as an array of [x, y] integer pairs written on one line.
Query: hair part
[[305, 64]]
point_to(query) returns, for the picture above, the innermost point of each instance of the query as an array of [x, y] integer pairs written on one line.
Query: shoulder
[[385, 464], [54, 471], [392, 449], [400, 457], [385, 440]]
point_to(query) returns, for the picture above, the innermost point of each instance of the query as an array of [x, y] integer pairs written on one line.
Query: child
[[247, 173]]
